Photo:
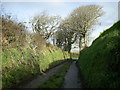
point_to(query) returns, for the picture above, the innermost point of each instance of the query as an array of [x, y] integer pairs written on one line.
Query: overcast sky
[[24, 11]]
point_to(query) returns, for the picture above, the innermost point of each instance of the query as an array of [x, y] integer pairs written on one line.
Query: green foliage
[[27, 56], [75, 55], [20, 64], [57, 79], [100, 63]]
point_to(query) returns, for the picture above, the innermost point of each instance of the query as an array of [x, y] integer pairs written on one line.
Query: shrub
[[25, 54]]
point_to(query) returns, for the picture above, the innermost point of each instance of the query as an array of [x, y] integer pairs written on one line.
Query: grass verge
[[57, 79]]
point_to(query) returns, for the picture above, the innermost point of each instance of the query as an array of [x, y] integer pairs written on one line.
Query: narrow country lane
[[35, 83], [72, 77]]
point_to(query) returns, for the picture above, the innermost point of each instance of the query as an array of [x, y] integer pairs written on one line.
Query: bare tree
[[65, 37], [45, 25], [60, 38], [83, 18]]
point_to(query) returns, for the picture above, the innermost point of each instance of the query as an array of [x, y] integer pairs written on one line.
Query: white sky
[[25, 10], [59, 0]]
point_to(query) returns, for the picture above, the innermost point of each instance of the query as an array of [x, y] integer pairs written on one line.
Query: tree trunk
[[69, 49], [63, 54], [80, 44], [53, 41], [70, 55], [85, 41]]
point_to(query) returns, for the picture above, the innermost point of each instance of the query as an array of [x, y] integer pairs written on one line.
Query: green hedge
[[100, 63], [18, 64]]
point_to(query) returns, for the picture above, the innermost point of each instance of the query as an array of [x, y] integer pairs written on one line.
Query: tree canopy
[[45, 25]]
